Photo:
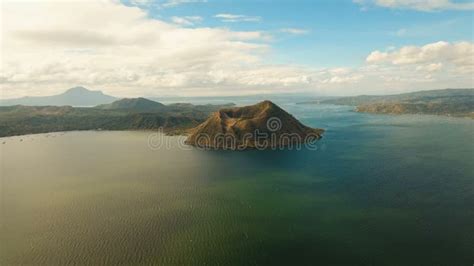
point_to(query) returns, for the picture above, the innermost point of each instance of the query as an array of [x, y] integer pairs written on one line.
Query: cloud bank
[[50, 46]]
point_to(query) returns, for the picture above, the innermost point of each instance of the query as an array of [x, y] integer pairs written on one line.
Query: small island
[[261, 126]]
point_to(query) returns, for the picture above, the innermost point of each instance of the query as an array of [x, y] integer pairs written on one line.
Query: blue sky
[[340, 32], [133, 48]]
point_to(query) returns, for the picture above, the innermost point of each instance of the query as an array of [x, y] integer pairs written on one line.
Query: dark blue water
[[378, 190]]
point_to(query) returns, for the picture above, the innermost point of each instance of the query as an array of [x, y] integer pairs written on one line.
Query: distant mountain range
[[449, 102], [77, 96]]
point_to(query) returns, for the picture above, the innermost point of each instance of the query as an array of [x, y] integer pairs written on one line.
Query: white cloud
[[460, 55], [295, 31], [140, 2], [430, 67], [450, 64], [187, 20], [420, 5], [159, 4], [225, 17], [173, 3], [48, 47]]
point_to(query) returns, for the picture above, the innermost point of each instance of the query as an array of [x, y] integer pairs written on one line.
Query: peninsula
[[447, 102]]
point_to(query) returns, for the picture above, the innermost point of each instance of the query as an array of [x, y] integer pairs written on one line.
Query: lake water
[[379, 190]]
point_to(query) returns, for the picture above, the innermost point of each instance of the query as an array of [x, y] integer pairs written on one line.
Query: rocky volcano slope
[[264, 125]]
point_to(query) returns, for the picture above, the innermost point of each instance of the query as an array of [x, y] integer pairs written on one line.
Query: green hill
[[134, 104]]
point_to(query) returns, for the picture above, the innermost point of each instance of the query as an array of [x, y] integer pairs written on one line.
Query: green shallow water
[[379, 190]]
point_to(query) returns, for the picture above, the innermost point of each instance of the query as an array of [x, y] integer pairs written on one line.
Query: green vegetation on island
[[125, 114], [448, 102]]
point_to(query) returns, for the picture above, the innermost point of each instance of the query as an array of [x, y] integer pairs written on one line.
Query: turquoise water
[[379, 190]]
